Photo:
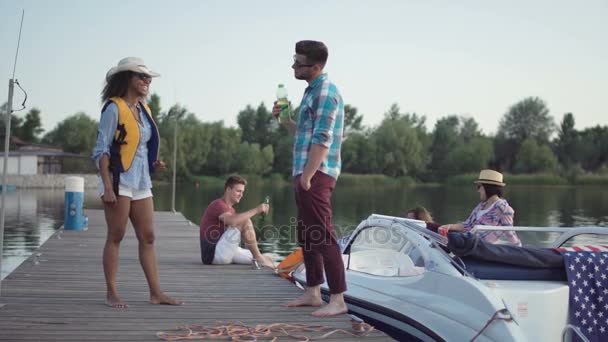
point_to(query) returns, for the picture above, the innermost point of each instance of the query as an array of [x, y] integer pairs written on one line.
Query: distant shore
[[90, 180], [350, 179], [48, 181]]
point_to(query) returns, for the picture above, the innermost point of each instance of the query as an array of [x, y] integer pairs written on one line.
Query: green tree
[[75, 134], [359, 154], [399, 149], [282, 147], [15, 125], [528, 118], [352, 120], [472, 156], [225, 142], [594, 148], [533, 158], [567, 144], [31, 127], [505, 152], [469, 129], [393, 113], [253, 160], [154, 104], [267, 158], [193, 141], [458, 146], [257, 125], [445, 140]]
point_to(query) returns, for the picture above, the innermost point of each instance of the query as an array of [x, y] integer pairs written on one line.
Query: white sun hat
[[134, 64]]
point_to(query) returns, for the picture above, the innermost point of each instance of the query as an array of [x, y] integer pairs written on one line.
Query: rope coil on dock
[[237, 331]]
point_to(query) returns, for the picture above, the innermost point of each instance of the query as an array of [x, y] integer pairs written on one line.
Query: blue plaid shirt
[[320, 122]]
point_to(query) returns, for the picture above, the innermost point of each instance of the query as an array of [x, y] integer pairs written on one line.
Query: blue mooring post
[[74, 198]]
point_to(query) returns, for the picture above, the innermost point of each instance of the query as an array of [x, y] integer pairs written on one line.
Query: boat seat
[[498, 271], [384, 263]]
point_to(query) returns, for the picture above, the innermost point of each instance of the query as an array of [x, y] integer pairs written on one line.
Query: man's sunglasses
[[300, 65]]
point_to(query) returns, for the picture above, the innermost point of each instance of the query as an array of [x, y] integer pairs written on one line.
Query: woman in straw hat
[[126, 153], [493, 210]]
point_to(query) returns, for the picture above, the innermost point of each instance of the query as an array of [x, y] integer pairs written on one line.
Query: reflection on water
[[33, 215]]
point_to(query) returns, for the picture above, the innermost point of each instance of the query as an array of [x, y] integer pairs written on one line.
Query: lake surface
[[33, 215]]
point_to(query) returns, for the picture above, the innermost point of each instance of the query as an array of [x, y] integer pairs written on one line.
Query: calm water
[[33, 215]]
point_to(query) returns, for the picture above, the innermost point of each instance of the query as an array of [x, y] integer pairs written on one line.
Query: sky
[[433, 58]]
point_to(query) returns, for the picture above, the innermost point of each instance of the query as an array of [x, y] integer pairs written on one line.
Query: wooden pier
[[58, 293]]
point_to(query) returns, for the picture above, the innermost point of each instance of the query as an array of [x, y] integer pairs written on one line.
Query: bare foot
[[164, 299], [115, 302], [305, 300], [331, 309], [266, 261]]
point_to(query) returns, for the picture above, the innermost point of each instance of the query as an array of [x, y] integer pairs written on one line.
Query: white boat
[[401, 279]]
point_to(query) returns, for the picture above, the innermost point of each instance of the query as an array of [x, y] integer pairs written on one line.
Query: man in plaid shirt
[[316, 166]]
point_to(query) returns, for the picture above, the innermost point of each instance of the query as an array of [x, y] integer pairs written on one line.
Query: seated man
[[222, 229]]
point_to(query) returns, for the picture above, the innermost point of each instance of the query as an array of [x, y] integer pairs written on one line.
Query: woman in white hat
[[493, 210], [126, 153]]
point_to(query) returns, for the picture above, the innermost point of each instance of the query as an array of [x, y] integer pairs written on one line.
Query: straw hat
[[134, 64], [490, 177]]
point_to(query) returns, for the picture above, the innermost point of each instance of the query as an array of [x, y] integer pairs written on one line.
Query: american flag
[[587, 272]]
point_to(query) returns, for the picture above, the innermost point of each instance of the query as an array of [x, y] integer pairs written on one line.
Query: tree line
[[527, 141]]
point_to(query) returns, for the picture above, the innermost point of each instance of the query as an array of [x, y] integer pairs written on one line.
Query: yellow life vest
[[127, 135]]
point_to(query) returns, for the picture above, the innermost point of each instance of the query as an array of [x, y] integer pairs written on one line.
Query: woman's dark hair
[[117, 85], [492, 190]]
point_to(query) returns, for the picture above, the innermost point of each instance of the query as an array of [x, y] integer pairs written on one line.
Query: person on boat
[[316, 166], [493, 210], [420, 213], [222, 229], [126, 153]]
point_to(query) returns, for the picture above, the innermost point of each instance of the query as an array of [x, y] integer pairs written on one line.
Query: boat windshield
[[384, 251]]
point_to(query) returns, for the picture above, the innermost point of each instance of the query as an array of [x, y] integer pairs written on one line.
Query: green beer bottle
[[263, 215], [284, 103]]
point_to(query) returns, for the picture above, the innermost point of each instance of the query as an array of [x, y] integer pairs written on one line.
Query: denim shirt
[[138, 176]]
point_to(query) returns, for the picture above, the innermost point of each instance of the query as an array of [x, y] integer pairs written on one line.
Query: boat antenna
[[7, 139]]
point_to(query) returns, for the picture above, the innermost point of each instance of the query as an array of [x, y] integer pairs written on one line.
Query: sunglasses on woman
[[143, 77]]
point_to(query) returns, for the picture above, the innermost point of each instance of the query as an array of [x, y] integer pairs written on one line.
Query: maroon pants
[[316, 234]]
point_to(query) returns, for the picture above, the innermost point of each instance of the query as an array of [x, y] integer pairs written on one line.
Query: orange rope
[[237, 331]]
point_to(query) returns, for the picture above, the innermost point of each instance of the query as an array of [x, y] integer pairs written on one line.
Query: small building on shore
[[36, 159], [40, 166], [42, 160]]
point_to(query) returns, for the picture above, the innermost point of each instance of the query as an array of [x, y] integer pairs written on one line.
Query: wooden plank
[[58, 292]]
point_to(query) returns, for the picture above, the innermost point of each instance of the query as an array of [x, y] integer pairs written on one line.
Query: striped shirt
[[320, 122], [499, 213]]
